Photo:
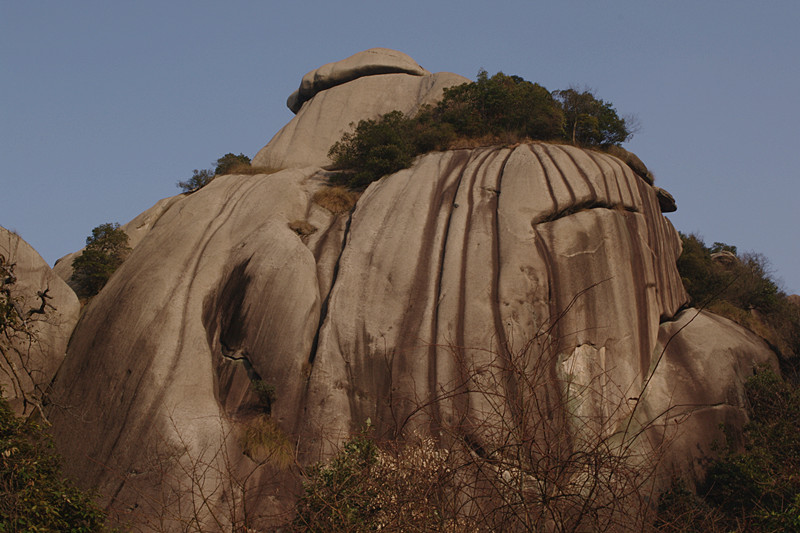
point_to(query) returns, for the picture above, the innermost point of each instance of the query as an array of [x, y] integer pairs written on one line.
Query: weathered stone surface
[[370, 62], [306, 139], [31, 358], [666, 202], [450, 284], [552, 252], [633, 161], [701, 362], [361, 87], [725, 258]]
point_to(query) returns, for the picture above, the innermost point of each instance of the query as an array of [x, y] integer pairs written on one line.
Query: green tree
[[34, 495], [227, 163], [199, 179], [754, 485], [590, 121], [376, 148], [339, 496], [501, 105], [106, 249]]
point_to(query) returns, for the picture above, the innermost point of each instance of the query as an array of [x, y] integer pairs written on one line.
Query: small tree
[[590, 121], [106, 249], [227, 163], [199, 179]]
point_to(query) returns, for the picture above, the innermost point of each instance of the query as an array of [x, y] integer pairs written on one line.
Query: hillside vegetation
[[499, 109], [740, 287]]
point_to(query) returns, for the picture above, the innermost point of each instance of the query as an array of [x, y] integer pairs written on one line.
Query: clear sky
[[105, 105]]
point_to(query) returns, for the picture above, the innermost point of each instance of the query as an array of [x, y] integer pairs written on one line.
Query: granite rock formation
[[333, 97], [553, 256]]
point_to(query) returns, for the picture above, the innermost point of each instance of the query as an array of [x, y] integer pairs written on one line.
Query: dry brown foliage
[[250, 170], [302, 227], [337, 199]]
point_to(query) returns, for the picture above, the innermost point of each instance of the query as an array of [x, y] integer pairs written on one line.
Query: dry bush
[[250, 170], [521, 442], [263, 441], [337, 200], [302, 227]]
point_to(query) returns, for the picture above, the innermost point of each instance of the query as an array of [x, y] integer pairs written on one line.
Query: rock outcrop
[[372, 62], [447, 277], [48, 310], [333, 97]]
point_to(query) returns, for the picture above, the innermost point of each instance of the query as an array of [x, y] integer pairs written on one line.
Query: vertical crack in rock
[[323, 311], [511, 382]]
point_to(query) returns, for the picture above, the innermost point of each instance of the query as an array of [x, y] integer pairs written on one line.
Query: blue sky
[[106, 105]]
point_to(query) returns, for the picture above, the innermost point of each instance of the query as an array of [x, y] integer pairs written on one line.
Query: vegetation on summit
[[499, 109]]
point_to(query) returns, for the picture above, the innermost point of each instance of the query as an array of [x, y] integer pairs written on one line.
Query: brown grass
[[263, 441], [250, 170], [302, 227], [337, 200]]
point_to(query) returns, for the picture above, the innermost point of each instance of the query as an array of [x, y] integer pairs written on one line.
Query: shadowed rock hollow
[[554, 258]]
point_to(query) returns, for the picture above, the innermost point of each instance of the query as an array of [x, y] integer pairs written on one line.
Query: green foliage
[[385, 145], [499, 109], [590, 121], [199, 179], [106, 249], [739, 287], [227, 163], [338, 495], [34, 495], [501, 106], [265, 393], [755, 487]]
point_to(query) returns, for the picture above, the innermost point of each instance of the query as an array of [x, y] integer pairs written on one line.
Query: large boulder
[[468, 257], [338, 95], [528, 290], [370, 62], [48, 310]]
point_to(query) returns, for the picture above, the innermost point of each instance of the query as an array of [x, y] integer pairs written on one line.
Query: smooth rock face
[[550, 254], [306, 139], [702, 362], [367, 63], [31, 361]]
